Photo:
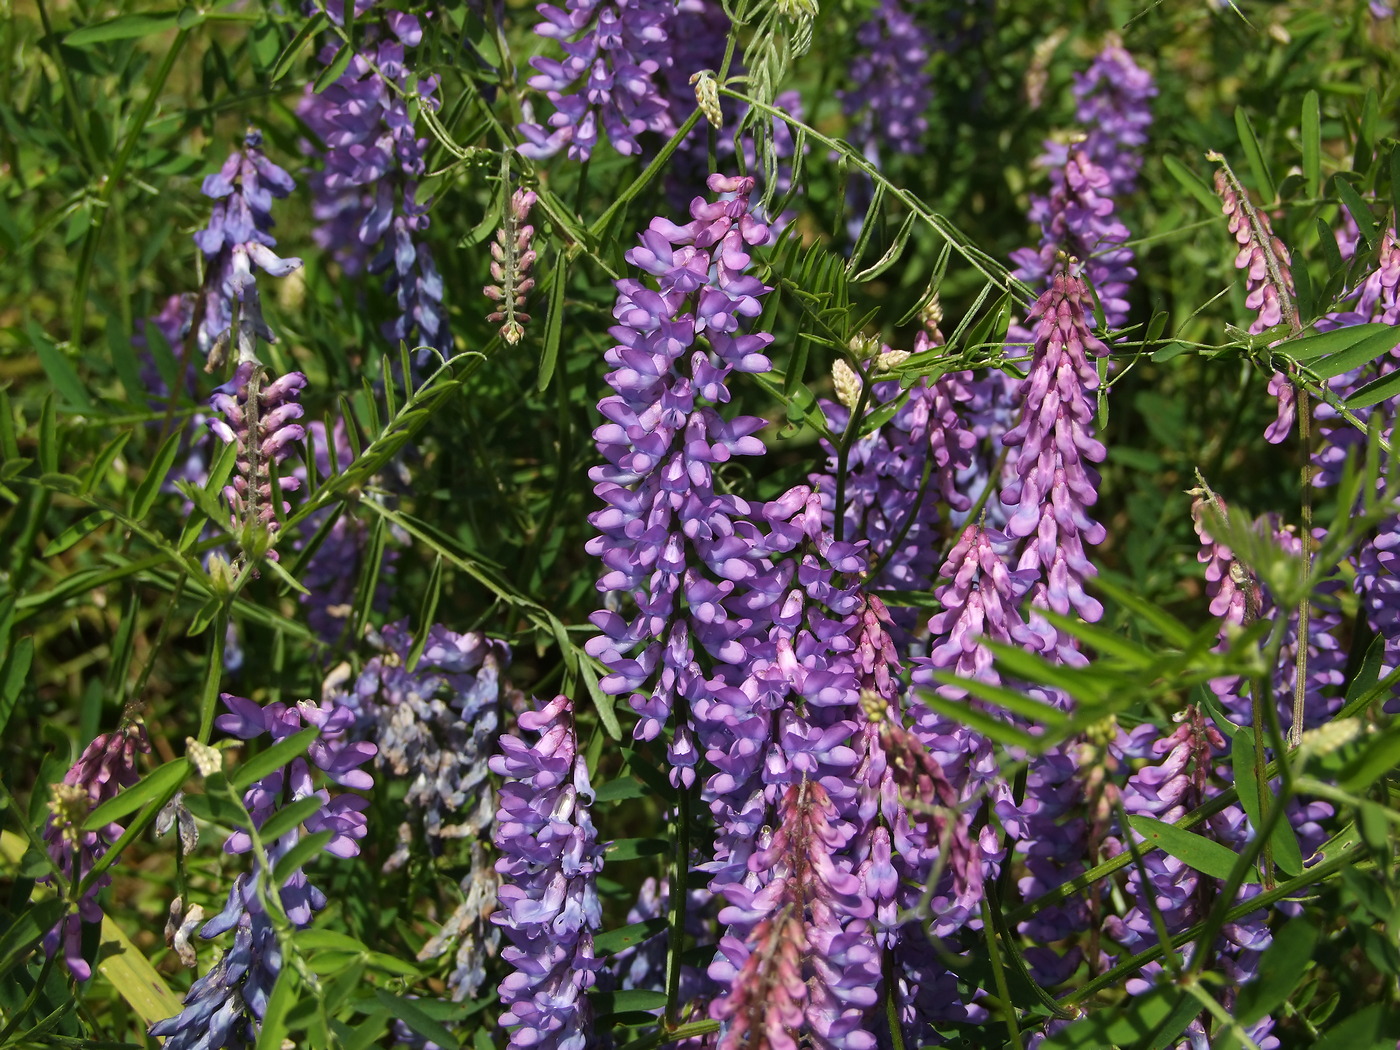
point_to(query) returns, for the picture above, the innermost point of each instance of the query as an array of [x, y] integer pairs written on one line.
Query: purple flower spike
[[1053, 483], [550, 860], [891, 91], [366, 195], [1114, 106], [106, 765], [235, 240], [614, 51], [258, 417]]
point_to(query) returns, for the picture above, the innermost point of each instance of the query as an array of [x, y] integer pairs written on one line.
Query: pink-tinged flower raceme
[[106, 766], [550, 860], [511, 259]]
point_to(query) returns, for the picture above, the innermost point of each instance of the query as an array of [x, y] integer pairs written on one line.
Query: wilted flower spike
[[511, 259], [550, 860], [106, 765]]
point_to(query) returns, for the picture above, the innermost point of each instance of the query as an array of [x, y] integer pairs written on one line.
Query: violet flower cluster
[[366, 195], [891, 90], [225, 1007], [1114, 96], [613, 51], [258, 417], [106, 765], [550, 861], [236, 240]]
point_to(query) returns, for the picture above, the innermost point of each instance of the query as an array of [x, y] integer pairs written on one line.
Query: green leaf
[[1310, 347], [553, 321], [892, 253], [1312, 144], [413, 1015], [619, 789], [126, 27], [1380, 755], [325, 939], [635, 849], [274, 1021], [1192, 184], [309, 29], [1368, 349], [27, 930], [1370, 1028], [426, 611], [1036, 712], [1205, 855], [75, 532], [332, 72], [1287, 854], [610, 942], [1249, 141], [607, 1003], [994, 728], [153, 785], [1280, 970], [275, 757], [149, 489], [288, 817], [1376, 391], [58, 368], [14, 673], [1147, 1021], [1360, 212]]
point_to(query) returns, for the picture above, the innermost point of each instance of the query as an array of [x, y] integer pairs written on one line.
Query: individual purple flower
[[366, 195], [614, 51], [511, 259], [236, 240], [1053, 483], [106, 765], [232, 998], [1268, 283], [550, 860], [891, 91], [258, 417], [1077, 220]]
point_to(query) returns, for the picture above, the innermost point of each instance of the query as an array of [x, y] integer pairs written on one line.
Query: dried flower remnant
[[258, 418], [614, 50], [1268, 280], [511, 259], [235, 240], [550, 860], [106, 765]]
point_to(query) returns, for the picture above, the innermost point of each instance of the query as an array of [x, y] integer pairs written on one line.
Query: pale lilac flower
[[891, 91], [235, 241]]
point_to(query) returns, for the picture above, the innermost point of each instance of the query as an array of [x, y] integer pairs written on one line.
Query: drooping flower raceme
[[1054, 483], [614, 50], [225, 1007], [1269, 285], [550, 860], [106, 765], [236, 240], [366, 195], [1114, 109]]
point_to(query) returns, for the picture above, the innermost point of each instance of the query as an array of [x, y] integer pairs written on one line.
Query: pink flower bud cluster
[[511, 259]]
